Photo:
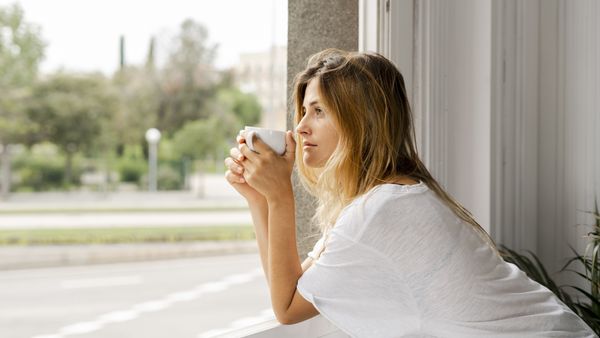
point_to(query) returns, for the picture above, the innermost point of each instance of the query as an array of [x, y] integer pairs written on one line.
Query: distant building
[[264, 75]]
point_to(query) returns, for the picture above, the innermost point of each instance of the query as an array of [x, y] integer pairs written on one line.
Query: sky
[[84, 35]]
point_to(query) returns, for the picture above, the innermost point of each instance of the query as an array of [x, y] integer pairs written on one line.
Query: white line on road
[[100, 282], [153, 305]]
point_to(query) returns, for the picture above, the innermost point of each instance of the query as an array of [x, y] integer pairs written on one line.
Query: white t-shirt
[[400, 263]]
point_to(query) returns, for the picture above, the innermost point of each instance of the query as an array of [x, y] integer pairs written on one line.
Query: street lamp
[[152, 136]]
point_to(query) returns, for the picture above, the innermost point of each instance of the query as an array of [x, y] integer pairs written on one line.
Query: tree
[[245, 107], [188, 78], [231, 110], [72, 110], [21, 50], [139, 103], [198, 139]]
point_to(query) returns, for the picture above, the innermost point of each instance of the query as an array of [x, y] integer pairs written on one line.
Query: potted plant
[[585, 303]]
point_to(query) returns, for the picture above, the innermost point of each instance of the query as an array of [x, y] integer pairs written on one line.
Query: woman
[[398, 257]]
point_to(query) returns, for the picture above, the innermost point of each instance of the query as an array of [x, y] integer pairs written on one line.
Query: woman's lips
[[308, 145]]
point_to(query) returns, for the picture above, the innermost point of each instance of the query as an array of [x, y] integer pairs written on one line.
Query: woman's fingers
[[240, 139], [246, 153], [234, 178], [236, 154], [234, 166]]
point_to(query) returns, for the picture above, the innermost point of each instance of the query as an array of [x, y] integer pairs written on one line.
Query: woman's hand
[[266, 171], [234, 174]]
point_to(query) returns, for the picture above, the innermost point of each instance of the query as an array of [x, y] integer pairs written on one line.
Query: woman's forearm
[[283, 261], [260, 214]]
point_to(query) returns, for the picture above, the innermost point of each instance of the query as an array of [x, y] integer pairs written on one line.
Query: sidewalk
[[218, 204], [19, 257], [215, 194]]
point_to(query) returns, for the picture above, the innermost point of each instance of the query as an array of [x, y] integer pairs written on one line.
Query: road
[[171, 298]]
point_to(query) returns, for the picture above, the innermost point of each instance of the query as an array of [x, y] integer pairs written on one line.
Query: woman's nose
[[302, 127]]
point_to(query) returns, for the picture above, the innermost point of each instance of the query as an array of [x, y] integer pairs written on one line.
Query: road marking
[[100, 282], [153, 305], [265, 315]]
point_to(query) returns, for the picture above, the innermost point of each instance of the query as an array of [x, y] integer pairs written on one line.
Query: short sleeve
[[351, 283], [317, 248]]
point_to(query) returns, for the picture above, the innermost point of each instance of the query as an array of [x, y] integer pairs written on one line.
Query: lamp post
[[152, 136]]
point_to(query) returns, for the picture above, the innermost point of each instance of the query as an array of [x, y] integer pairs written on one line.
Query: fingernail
[[242, 180]]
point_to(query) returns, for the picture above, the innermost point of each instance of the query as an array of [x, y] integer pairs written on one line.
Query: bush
[[36, 175], [169, 178], [131, 170], [41, 173]]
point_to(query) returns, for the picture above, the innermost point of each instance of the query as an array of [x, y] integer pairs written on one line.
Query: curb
[[27, 257]]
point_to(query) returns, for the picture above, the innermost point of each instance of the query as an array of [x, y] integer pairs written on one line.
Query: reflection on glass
[[101, 234]]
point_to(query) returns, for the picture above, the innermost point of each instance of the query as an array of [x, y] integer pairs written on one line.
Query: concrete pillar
[[313, 26]]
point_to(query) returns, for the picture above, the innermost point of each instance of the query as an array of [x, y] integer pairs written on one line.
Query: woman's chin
[[311, 162]]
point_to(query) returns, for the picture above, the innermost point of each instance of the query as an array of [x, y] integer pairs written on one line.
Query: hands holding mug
[[262, 163]]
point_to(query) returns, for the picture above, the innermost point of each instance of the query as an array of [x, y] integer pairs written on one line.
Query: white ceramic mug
[[273, 138]]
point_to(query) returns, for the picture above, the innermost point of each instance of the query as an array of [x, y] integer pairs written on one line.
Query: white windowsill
[[315, 327]]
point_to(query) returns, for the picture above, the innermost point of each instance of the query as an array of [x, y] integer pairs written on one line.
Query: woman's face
[[319, 135]]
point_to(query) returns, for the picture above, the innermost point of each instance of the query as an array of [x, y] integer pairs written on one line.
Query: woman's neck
[[403, 180]]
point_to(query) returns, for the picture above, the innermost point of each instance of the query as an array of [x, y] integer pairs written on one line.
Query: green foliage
[[132, 165], [124, 235], [589, 305], [198, 110], [42, 168], [21, 50], [245, 107], [131, 170], [39, 175], [213, 131], [139, 100], [71, 111], [586, 304], [188, 79], [197, 139], [190, 52], [169, 178]]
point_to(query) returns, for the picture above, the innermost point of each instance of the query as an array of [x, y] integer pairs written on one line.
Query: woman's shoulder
[[385, 193], [383, 206]]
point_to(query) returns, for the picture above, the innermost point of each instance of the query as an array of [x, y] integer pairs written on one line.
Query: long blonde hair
[[366, 96]]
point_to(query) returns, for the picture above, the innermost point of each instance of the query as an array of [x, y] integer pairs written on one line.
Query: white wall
[[569, 149], [450, 84], [468, 85], [507, 111], [514, 138]]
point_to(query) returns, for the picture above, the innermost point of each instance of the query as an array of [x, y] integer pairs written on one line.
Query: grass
[[24, 237]]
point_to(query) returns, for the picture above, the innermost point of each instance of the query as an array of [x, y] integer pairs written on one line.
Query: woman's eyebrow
[[312, 103]]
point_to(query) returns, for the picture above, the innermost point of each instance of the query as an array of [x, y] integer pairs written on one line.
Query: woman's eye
[[319, 111]]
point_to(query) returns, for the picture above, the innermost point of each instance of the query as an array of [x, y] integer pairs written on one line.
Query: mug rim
[[261, 128]]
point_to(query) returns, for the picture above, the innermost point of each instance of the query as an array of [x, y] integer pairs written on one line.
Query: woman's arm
[[260, 213], [270, 175], [256, 201], [284, 262]]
